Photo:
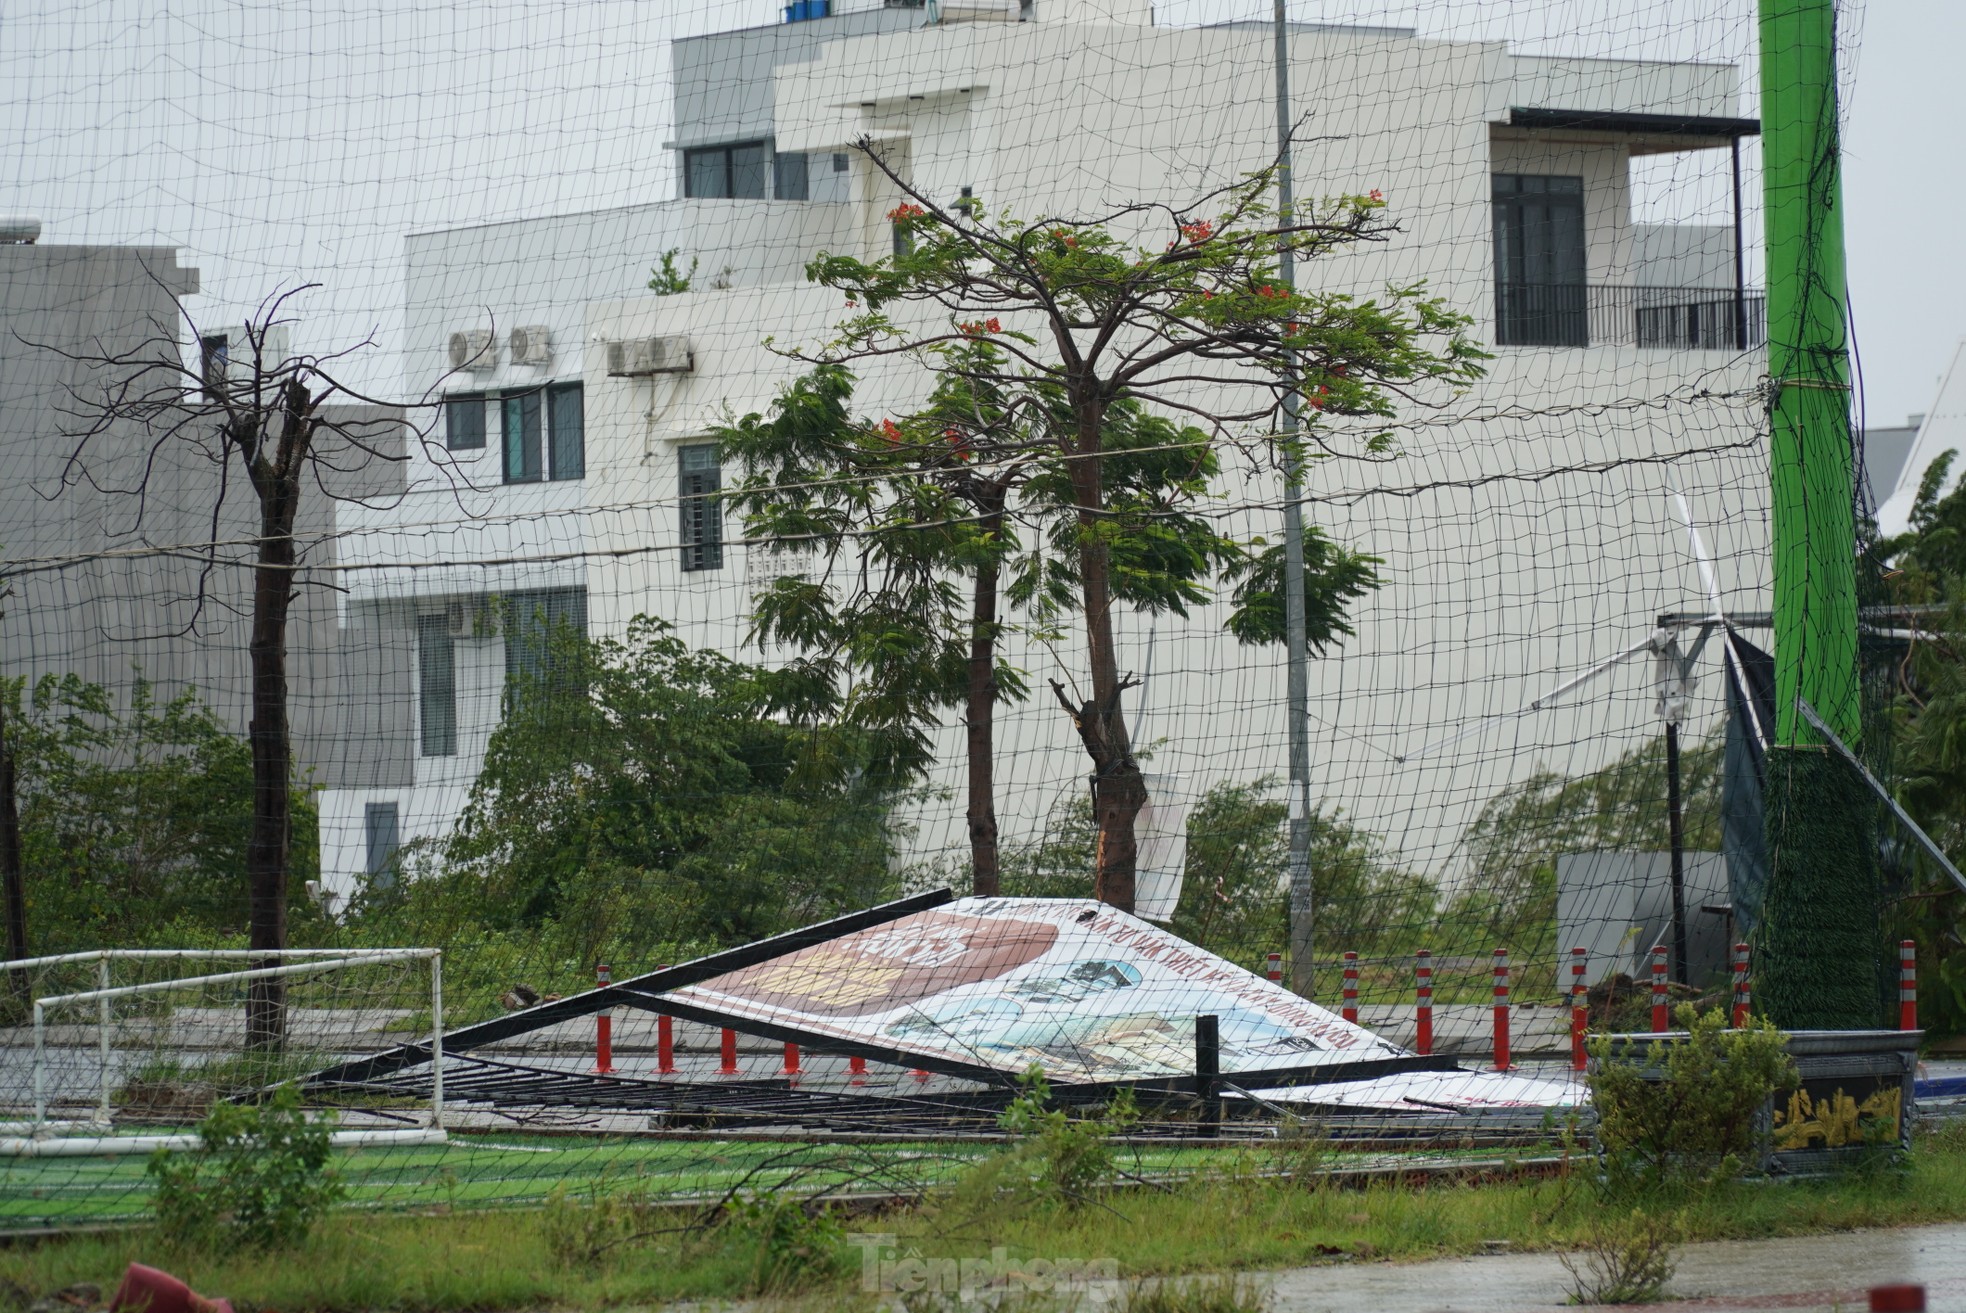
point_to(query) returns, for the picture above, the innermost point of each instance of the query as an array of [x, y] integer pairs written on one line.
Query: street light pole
[[1299, 867]]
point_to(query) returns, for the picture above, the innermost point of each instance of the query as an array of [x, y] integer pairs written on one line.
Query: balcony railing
[[1668, 318]]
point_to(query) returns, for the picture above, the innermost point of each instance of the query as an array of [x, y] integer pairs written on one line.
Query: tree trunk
[[1118, 791], [980, 717], [13, 883], [268, 847]]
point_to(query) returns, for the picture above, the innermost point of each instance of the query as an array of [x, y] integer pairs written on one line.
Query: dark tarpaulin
[[1750, 726]]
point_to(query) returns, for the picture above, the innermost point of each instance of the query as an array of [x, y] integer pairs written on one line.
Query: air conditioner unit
[[474, 349], [532, 345], [649, 355]]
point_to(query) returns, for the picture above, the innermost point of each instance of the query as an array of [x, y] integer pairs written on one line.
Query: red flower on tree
[[891, 431], [1198, 232], [904, 212]]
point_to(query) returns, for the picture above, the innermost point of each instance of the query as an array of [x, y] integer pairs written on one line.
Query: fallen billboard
[[1075, 987]]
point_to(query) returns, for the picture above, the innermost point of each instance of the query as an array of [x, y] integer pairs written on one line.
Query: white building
[[1528, 538]]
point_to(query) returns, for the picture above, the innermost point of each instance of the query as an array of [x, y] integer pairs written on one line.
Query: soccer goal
[[122, 1051]]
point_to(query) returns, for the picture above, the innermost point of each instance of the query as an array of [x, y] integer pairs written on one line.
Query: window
[[903, 242], [1539, 261], [839, 161], [969, 205], [538, 625], [788, 174], [702, 516], [566, 424], [464, 421], [436, 686], [521, 436], [726, 171], [380, 820]]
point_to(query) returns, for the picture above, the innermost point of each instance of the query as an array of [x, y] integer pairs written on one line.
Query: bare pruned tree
[[261, 418]]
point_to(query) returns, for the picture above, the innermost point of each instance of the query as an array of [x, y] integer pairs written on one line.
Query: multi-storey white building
[[1530, 536]]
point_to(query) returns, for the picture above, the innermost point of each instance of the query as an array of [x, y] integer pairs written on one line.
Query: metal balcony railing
[[1667, 318]]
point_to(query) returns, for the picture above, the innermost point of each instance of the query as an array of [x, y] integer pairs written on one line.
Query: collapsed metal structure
[[956, 1000]]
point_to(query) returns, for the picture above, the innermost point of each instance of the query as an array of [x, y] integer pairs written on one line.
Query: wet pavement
[[1806, 1273]]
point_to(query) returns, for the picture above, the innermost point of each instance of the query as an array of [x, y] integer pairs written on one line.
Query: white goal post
[[151, 1008]]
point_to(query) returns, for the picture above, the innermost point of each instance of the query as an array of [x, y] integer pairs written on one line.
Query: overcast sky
[[279, 141]]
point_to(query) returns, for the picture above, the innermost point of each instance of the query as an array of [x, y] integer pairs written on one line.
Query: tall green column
[[1816, 964]]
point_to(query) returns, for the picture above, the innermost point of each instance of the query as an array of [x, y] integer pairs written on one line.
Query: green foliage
[[135, 816], [1627, 1258], [646, 793], [258, 1179], [1926, 720], [1334, 578], [1510, 900], [669, 278], [1696, 1126], [1060, 1158], [1235, 900], [580, 1231], [797, 1247]]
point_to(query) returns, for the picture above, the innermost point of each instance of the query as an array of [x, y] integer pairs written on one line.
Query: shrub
[[579, 1232], [1697, 1124], [258, 1179], [1065, 1158]]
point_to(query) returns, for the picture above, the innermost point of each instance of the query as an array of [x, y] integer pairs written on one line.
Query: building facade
[[1528, 527]]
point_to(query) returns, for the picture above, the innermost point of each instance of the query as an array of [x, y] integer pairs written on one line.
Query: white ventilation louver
[[649, 355], [474, 349], [532, 345]]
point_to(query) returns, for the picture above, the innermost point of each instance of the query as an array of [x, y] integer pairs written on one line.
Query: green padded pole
[[1816, 965]]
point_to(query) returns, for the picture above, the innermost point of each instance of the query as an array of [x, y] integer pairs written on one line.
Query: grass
[[1224, 1220]]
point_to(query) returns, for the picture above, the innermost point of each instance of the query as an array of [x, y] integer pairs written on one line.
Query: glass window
[[522, 437], [747, 171], [839, 161], [789, 182], [737, 171], [702, 516], [1539, 260], [464, 421], [566, 425], [436, 686], [381, 822]]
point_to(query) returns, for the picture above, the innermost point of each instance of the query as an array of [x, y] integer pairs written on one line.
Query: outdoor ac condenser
[[532, 344], [474, 349], [649, 355]]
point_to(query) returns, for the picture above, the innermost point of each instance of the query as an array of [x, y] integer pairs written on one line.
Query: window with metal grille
[[702, 514], [436, 672], [540, 625]]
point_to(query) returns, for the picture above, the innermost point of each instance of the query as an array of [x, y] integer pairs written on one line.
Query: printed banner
[[1085, 991]]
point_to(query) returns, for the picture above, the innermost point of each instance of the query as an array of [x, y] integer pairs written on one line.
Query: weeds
[[1625, 1259], [1227, 1294], [797, 1248], [259, 1178]]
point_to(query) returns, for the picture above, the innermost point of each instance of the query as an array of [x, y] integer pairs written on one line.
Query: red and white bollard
[[1423, 1002], [1275, 971], [856, 1068], [791, 1059], [1907, 985], [1350, 1010], [1741, 1000], [1501, 1009], [603, 1027], [665, 1040], [1580, 1009], [729, 1067], [1661, 1001]]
